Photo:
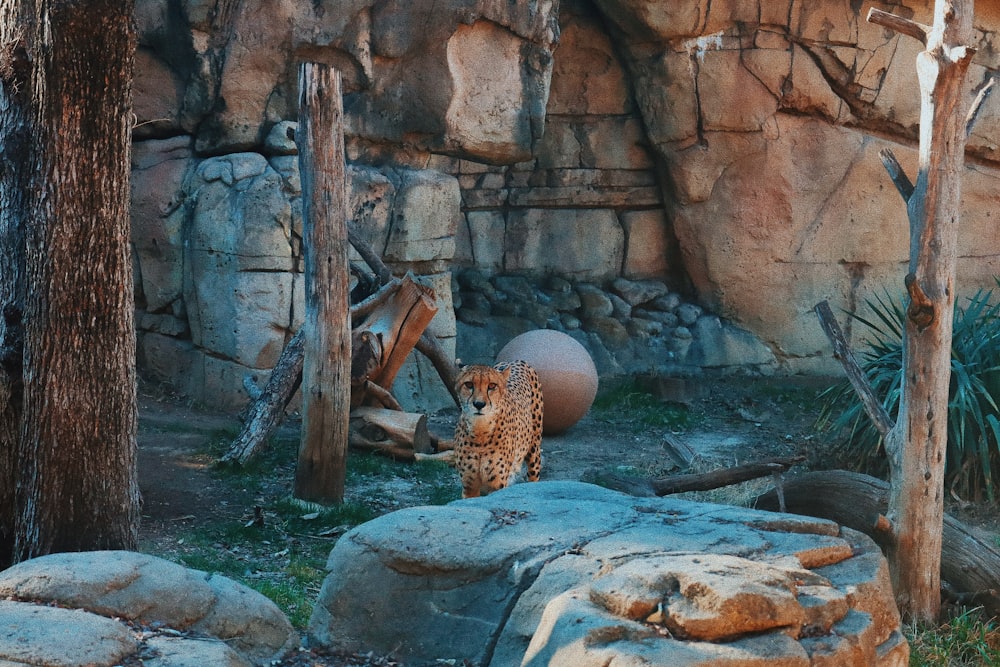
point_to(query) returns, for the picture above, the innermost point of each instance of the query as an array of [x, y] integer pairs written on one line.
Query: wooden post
[[916, 445], [321, 469]]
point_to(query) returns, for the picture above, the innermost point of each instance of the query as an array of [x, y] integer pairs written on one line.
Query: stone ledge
[[570, 574]]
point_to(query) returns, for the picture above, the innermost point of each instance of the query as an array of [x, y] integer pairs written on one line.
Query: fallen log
[[970, 561], [265, 413], [704, 481], [376, 427]]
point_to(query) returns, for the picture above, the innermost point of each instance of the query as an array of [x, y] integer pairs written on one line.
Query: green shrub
[[973, 457]]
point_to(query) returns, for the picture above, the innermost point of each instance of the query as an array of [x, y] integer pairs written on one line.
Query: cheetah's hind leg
[[533, 459]]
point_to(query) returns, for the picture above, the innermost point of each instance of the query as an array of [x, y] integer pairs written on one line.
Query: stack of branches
[[388, 321]]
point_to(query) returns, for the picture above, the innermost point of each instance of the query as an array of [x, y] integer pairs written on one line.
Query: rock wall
[[727, 150]]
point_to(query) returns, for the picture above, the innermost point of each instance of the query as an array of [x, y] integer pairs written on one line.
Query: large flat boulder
[[100, 607], [566, 573]]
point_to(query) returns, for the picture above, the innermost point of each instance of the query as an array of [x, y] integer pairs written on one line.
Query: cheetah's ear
[[506, 372], [459, 365]]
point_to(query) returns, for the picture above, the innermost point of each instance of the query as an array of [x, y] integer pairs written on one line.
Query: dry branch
[[842, 352], [426, 344], [705, 481], [374, 428], [896, 173], [899, 24], [266, 412], [371, 347]]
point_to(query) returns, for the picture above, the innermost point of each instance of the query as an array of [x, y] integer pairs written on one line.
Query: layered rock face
[[728, 150], [574, 575]]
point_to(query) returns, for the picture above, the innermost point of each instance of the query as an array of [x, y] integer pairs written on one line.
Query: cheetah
[[500, 426]]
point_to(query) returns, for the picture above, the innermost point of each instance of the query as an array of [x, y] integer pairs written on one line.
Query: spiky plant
[[973, 456]]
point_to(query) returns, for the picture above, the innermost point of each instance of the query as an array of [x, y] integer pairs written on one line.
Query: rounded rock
[[565, 370]]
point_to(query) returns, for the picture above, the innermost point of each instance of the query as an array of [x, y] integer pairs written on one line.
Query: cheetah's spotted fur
[[500, 426]]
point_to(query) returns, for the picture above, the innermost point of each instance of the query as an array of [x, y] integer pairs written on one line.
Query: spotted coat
[[500, 426]]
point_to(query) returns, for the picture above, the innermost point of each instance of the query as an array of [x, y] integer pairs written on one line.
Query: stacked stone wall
[[728, 151]]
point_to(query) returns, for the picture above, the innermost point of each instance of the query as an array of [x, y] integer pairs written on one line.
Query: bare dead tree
[[916, 444]]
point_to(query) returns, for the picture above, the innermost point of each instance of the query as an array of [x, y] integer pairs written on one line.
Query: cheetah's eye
[[493, 386], [470, 385]]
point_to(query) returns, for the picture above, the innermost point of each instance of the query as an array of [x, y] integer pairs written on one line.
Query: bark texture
[[68, 402], [917, 443], [326, 369]]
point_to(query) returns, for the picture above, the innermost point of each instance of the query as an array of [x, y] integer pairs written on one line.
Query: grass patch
[[966, 640], [284, 556], [629, 405]]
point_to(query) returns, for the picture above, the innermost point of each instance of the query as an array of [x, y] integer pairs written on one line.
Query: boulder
[[565, 371], [565, 573], [195, 617]]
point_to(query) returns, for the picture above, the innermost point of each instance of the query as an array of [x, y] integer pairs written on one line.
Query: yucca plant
[[973, 457]]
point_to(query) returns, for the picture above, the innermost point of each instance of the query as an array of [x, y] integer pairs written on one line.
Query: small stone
[[622, 311], [517, 287], [638, 291], [476, 318], [281, 139], [569, 322], [667, 319], [610, 330], [559, 285], [594, 302], [683, 333], [474, 301], [642, 327], [666, 303], [474, 281], [688, 313], [566, 301]]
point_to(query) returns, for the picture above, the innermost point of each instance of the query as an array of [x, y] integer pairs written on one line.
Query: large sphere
[[565, 370]]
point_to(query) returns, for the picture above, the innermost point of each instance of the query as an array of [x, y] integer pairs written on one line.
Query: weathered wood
[[970, 559], [426, 344], [679, 451], [322, 461], [896, 173], [379, 426], [842, 352], [263, 414], [399, 325], [266, 412], [916, 445], [899, 24]]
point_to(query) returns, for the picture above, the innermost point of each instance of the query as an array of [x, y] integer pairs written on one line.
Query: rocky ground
[[724, 421]]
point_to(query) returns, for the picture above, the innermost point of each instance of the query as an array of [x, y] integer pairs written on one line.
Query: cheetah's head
[[481, 390]]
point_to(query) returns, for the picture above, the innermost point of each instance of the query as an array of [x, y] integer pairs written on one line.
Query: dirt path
[[732, 421]]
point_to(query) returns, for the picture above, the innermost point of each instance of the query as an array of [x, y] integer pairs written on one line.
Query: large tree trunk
[[917, 443], [74, 456], [15, 133], [326, 367]]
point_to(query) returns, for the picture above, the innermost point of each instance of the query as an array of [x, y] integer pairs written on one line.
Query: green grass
[[629, 405], [966, 640], [285, 558]]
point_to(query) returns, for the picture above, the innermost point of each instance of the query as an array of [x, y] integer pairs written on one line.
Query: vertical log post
[[916, 445], [320, 473]]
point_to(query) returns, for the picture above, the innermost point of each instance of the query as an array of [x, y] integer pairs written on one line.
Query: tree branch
[[977, 105], [896, 173], [842, 352], [899, 24]]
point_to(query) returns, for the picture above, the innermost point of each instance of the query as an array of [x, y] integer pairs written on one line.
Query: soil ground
[[724, 421], [732, 420]]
